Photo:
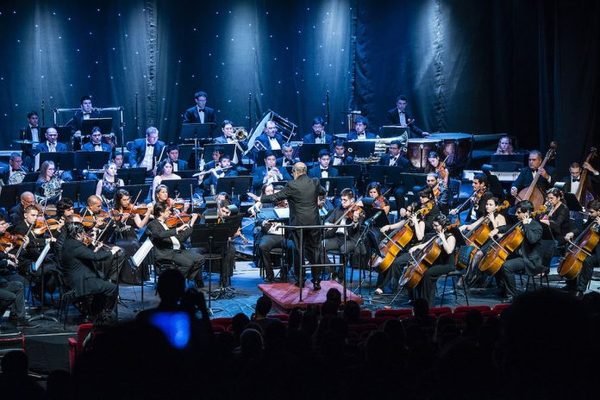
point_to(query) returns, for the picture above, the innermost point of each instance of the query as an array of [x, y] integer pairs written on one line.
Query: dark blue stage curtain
[[528, 68]]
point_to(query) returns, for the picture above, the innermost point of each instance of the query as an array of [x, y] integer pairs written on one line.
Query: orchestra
[[419, 242]]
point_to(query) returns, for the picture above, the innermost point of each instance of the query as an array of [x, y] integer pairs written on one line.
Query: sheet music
[[41, 258], [282, 212], [142, 252]]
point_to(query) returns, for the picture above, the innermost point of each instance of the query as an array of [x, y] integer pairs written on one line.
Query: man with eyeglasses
[[527, 175]]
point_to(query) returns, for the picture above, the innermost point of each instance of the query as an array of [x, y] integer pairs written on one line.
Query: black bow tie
[[576, 179], [324, 169], [340, 157], [150, 144], [201, 110]]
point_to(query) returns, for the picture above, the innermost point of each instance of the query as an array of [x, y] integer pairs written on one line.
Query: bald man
[[16, 213], [302, 195]]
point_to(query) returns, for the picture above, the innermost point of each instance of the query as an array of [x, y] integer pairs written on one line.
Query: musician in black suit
[[269, 173], [31, 132], [87, 111], [15, 166], [272, 236], [77, 262], [360, 130], [224, 169], [199, 113], [173, 157], [339, 155], [399, 116], [318, 134], [16, 213], [144, 153], [323, 170], [527, 174], [168, 244], [95, 143], [579, 285], [302, 195], [228, 138], [573, 180], [270, 139], [478, 199], [527, 258], [394, 157], [51, 145], [287, 158]]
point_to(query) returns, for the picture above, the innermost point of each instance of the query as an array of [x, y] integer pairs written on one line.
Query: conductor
[[302, 195]]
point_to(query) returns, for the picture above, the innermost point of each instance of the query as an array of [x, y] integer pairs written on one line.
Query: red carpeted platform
[[287, 296]]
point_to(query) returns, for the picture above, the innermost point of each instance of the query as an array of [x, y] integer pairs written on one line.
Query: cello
[[532, 192], [397, 241], [583, 195], [579, 250], [414, 271], [494, 259]]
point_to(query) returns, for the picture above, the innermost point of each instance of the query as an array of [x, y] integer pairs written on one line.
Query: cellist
[[578, 285], [528, 257]]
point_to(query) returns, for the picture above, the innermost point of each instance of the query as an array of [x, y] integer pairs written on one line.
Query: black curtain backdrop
[[528, 68]]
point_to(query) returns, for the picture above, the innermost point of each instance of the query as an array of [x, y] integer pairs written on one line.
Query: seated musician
[[107, 186], [477, 201], [118, 159], [391, 275], [169, 244], [287, 158], [497, 222], [215, 159], [434, 164], [164, 172], [360, 130], [16, 214], [76, 261], [95, 143], [51, 145], [442, 265], [345, 241], [269, 173], [225, 211], [557, 218], [395, 157], [126, 236], [15, 171], [223, 169], [339, 155], [272, 236], [528, 258], [161, 195], [270, 139], [318, 134], [573, 181], [440, 192], [228, 138], [87, 111], [505, 146], [48, 184], [527, 174], [325, 206], [399, 116], [323, 170], [379, 200], [11, 284], [266, 190], [173, 158], [580, 284], [145, 153]]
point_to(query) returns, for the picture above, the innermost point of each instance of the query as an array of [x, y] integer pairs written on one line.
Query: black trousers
[[188, 262], [392, 275], [505, 277], [269, 242], [337, 243], [11, 295], [311, 244], [585, 276], [426, 288]]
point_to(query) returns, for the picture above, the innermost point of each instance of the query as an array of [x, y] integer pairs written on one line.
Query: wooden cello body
[[533, 193], [583, 195], [570, 267]]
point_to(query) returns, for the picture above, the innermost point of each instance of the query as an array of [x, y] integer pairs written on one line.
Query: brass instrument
[[286, 128], [17, 177], [259, 146], [239, 133]]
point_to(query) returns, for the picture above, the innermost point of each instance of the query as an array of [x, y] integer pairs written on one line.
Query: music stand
[[385, 174], [132, 176], [91, 159], [31, 177], [105, 125], [412, 180], [79, 191], [197, 131], [184, 187], [228, 148], [9, 196], [309, 152], [353, 170], [572, 202], [390, 131], [361, 149], [64, 160], [336, 184], [234, 185], [135, 189]]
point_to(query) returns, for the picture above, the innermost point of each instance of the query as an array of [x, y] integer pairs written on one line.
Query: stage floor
[[287, 296]]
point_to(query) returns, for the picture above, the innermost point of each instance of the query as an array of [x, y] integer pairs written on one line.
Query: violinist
[[169, 244], [64, 209], [434, 164], [342, 239], [527, 174], [379, 202], [477, 201], [76, 261], [164, 172], [11, 284], [442, 265], [16, 214], [392, 274], [161, 195], [527, 258], [127, 221], [440, 192], [94, 214], [579, 285], [557, 219]]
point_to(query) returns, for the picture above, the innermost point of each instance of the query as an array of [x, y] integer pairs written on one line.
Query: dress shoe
[[316, 285]]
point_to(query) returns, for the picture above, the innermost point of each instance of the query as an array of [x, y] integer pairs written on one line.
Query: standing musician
[[199, 113], [527, 174], [477, 200], [302, 194], [434, 164], [342, 239], [226, 210], [87, 111], [323, 170], [398, 116], [339, 155], [360, 130], [33, 133], [95, 143], [318, 134], [228, 137], [269, 173], [76, 263], [557, 217], [572, 181], [64, 209], [128, 219], [529, 255], [272, 236], [169, 244], [393, 273], [146, 153], [287, 158], [579, 285], [107, 186]]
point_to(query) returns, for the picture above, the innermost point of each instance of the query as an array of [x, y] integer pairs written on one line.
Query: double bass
[[495, 258], [426, 257], [583, 195], [578, 251], [533, 193]]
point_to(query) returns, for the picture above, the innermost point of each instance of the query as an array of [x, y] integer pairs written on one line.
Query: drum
[[455, 148], [417, 150]]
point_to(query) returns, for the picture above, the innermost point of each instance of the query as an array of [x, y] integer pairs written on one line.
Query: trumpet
[[240, 133], [259, 146]]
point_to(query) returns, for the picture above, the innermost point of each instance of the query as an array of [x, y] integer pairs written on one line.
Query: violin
[[89, 240], [8, 240], [43, 225], [89, 221], [177, 220]]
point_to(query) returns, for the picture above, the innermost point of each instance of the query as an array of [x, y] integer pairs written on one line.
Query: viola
[[177, 220]]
